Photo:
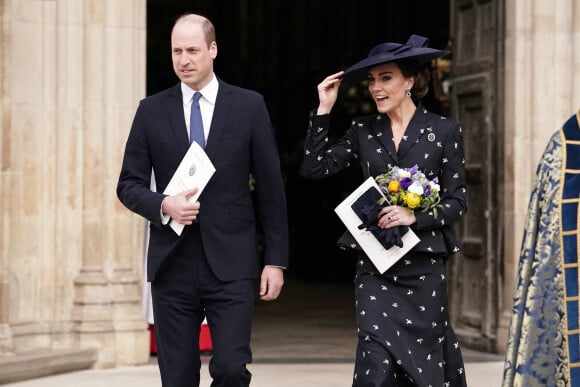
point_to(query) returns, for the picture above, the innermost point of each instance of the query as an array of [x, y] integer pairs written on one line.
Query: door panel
[[473, 279]]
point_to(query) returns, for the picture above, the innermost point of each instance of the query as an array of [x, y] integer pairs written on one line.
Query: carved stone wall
[[71, 257], [542, 90]]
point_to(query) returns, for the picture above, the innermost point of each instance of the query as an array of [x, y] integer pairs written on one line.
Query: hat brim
[[421, 55]]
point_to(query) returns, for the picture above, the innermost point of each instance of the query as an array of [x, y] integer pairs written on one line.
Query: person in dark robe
[[543, 344]]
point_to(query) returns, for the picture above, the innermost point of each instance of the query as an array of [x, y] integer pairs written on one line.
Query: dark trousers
[[183, 294]]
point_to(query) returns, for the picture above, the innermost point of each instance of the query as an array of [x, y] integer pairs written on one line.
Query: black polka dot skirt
[[404, 334]]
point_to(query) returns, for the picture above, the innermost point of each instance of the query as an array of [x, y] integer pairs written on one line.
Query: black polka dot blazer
[[432, 142]]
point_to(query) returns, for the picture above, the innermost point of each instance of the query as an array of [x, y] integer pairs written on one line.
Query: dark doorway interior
[[283, 49]]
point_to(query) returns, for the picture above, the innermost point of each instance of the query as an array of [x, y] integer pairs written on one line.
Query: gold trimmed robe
[[544, 342]]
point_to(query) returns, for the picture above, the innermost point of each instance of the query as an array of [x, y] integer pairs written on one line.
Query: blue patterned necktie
[[195, 123]]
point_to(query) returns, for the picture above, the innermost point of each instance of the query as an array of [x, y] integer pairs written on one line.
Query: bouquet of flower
[[409, 187]]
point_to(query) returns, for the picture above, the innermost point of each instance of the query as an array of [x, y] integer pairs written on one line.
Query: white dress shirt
[[206, 106], [206, 103]]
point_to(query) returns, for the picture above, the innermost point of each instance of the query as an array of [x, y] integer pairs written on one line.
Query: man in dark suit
[[210, 269]]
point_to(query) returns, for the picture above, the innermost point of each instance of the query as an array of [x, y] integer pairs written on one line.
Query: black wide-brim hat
[[414, 50]]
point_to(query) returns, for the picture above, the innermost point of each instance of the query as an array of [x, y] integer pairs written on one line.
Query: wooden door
[[476, 100]]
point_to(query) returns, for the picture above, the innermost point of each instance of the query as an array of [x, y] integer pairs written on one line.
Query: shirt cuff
[[281, 267], [164, 218]]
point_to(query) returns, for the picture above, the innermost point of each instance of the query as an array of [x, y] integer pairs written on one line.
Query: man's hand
[[179, 208], [271, 283]]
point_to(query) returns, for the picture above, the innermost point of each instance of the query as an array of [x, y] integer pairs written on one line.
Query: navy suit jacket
[[241, 142], [432, 142]]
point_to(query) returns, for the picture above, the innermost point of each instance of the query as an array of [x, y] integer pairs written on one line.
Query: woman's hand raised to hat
[[328, 92]]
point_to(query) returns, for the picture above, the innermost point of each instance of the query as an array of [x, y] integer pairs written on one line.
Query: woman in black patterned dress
[[405, 336]]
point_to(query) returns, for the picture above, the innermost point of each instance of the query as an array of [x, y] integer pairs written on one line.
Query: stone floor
[[309, 321], [305, 338], [314, 322]]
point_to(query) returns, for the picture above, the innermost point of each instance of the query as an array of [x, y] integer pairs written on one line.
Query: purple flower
[[405, 182], [414, 181]]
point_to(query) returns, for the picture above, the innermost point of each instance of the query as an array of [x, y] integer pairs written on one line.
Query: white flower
[[434, 186], [416, 188], [403, 173]]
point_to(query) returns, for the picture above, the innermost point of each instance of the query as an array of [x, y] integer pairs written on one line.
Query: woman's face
[[388, 86]]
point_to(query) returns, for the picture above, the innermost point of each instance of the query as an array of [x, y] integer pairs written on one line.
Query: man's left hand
[[271, 283]]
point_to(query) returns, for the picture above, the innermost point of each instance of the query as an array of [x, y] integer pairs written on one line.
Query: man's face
[[191, 56]]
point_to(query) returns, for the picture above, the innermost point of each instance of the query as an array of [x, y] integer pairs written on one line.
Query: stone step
[[39, 363]]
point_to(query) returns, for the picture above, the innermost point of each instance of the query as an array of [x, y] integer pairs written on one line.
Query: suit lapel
[[384, 135], [417, 127], [220, 115], [177, 120]]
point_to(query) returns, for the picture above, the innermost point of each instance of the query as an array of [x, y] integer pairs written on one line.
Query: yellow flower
[[413, 200], [394, 186]]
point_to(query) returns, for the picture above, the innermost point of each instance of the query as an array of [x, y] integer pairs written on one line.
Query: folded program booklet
[[367, 194], [194, 170]]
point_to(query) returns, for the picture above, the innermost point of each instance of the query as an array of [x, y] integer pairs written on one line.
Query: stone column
[[542, 90], [28, 172], [92, 312], [71, 258], [107, 304], [127, 42], [5, 332], [6, 346]]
